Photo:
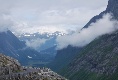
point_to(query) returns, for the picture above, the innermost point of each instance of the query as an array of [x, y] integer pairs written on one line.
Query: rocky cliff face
[[10, 69], [112, 8]]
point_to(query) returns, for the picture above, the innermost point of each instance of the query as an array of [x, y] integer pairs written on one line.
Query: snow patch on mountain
[[29, 56]]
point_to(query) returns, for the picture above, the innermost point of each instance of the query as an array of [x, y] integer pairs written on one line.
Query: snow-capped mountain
[[41, 39], [46, 35], [11, 46]]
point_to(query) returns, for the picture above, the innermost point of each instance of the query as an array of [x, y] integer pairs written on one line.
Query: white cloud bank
[[57, 15], [103, 26], [35, 44]]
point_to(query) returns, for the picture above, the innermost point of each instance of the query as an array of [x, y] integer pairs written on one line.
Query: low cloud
[[103, 26], [35, 44]]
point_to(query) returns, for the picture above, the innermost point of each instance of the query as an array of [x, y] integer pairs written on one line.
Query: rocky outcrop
[[10, 69], [8, 65], [33, 74]]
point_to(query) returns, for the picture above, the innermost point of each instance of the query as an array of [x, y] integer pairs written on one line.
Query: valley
[[88, 53]]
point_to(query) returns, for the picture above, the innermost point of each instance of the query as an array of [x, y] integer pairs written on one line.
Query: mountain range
[[95, 61], [11, 46], [49, 37]]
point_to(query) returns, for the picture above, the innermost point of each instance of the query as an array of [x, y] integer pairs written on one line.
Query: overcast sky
[[48, 15]]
